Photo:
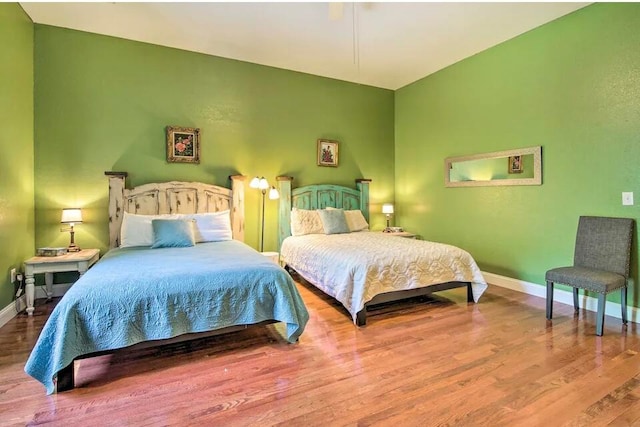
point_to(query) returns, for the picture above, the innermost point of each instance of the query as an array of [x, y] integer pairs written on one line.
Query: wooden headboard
[[319, 196], [171, 198]]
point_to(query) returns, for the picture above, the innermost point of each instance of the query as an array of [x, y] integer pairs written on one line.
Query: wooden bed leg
[[65, 380], [469, 293], [361, 317]]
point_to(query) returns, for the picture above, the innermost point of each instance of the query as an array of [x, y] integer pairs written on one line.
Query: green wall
[[103, 103], [16, 144], [571, 86]]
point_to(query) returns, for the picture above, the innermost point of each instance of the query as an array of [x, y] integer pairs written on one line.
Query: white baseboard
[[612, 309], [9, 312]]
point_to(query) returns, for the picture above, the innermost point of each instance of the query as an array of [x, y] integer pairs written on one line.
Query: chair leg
[[549, 299], [576, 303], [623, 304], [602, 299]]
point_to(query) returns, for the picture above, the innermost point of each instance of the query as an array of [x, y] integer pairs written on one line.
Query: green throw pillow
[[333, 221], [172, 233]]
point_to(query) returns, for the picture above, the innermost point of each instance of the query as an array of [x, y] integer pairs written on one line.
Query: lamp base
[[387, 230], [73, 248]]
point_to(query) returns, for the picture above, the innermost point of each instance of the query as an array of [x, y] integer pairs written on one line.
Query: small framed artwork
[[183, 145], [515, 164], [327, 153]]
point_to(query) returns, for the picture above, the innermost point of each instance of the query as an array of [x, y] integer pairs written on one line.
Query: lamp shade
[[273, 193], [387, 208], [255, 183], [71, 216]]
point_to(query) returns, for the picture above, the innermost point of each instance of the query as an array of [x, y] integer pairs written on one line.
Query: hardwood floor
[[425, 363]]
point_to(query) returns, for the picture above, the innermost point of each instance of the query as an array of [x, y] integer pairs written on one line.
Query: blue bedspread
[[139, 294]]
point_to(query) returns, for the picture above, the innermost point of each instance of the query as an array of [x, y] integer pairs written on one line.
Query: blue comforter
[[139, 294]]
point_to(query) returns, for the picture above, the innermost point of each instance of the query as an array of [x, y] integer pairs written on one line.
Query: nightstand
[[403, 234], [273, 256], [72, 261]]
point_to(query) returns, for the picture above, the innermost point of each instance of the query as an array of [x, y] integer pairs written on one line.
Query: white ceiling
[[387, 45]]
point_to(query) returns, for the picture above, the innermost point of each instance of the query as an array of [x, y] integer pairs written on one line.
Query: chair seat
[[599, 281]]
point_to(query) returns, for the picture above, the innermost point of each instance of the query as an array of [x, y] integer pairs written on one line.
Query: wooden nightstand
[[403, 234], [273, 256], [72, 261]]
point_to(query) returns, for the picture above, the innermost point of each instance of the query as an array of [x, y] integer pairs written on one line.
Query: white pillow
[[355, 220], [305, 221], [136, 230], [211, 227]]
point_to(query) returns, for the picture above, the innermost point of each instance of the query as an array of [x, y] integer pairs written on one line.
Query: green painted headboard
[[319, 196]]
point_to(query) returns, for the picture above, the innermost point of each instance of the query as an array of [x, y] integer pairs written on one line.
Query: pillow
[[173, 233], [333, 221], [355, 219], [136, 230], [305, 221], [210, 227]]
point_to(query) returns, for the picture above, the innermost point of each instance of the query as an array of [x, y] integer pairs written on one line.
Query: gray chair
[[600, 263]]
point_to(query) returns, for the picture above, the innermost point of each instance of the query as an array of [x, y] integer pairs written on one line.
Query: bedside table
[[72, 261], [403, 234], [273, 256]]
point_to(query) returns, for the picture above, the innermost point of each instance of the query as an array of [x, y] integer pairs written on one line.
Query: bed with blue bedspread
[[139, 294]]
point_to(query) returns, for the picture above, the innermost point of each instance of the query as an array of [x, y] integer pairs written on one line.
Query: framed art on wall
[[515, 164], [183, 145], [327, 153]]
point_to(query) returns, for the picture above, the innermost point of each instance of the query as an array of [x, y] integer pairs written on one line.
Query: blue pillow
[[333, 221], [172, 233]]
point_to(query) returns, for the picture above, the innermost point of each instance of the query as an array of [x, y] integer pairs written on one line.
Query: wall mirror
[[511, 167]]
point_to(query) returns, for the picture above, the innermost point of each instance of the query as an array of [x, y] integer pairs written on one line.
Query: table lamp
[[387, 209], [72, 216]]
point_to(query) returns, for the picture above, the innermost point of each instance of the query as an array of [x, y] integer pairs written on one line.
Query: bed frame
[[166, 198], [320, 196]]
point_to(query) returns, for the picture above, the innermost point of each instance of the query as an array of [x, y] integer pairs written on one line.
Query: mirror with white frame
[[522, 166]]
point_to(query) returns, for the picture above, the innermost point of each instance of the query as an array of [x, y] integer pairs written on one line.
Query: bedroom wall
[[103, 103], [571, 86], [16, 144]]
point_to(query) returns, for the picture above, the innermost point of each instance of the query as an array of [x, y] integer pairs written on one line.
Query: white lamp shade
[[273, 193], [263, 184], [255, 183], [73, 215], [387, 208]]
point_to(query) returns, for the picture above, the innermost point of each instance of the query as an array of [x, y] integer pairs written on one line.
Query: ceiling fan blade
[[336, 11]]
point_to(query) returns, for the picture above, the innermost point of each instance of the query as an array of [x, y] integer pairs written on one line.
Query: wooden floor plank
[[430, 361]]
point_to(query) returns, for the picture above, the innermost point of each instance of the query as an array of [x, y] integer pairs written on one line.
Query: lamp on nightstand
[[72, 216], [262, 184], [387, 209]]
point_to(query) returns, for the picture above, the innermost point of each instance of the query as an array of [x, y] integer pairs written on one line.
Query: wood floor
[[424, 363]]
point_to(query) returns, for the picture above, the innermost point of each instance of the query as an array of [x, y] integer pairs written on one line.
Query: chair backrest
[[604, 243]]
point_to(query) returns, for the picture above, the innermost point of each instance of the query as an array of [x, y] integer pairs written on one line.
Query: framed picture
[[327, 153], [183, 145], [515, 164]]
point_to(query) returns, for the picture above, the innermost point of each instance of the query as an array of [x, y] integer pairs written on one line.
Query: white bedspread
[[355, 267]]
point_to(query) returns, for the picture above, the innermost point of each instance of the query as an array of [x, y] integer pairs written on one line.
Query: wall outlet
[[13, 275], [627, 198]]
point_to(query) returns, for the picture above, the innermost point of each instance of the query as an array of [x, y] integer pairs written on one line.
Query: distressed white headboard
[[173, 197]]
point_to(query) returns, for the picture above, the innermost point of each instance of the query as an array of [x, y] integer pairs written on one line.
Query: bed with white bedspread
[[362, 268]]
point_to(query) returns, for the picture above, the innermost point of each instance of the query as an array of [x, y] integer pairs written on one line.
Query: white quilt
[[355, 267]]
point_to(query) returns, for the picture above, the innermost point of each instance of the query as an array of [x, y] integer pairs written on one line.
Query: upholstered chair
[[600, 264]]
